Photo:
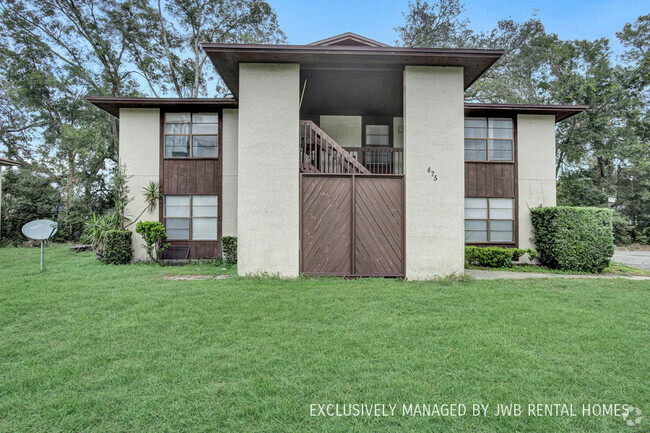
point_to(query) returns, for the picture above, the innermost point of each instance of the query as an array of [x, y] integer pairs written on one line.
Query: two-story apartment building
[[342, 157]]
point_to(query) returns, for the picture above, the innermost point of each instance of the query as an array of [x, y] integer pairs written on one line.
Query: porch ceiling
[[352, 92], [226, 58]]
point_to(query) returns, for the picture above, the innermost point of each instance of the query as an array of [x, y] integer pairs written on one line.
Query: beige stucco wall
[[229, 164], [433, 138], [345, 130], [268, 182], [536, 167], [140, 152]]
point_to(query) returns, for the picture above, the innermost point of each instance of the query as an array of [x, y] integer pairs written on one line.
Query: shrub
[[622, 229], [573, 238], [229, 247], [96, 228], [117, 247], [155, 238], [495, 257]]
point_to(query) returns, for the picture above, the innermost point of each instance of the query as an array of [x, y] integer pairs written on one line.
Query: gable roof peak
[[349, 39]]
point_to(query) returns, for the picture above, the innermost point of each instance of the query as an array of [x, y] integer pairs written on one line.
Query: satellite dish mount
[[40, 230]]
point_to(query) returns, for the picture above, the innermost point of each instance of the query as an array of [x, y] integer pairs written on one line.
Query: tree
[[26, 196], [602, 155], [174, 55], [439, 24], [54, 53]]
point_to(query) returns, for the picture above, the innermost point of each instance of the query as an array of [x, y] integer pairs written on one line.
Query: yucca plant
[[152, 195], [95, 229]]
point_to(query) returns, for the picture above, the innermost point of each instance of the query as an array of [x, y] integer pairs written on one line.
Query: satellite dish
[[40, 230]]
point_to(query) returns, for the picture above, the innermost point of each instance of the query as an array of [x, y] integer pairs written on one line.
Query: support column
[[536, 169], [434, 168], [268, 175]]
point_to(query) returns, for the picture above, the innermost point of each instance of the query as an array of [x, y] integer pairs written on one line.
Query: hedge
[[117, 247], [573, 238], [229, 246], [495, 257]]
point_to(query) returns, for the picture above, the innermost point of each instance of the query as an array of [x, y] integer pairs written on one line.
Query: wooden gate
[[352, 225]]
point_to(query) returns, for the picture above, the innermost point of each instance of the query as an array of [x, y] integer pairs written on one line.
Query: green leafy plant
[[574, 238], [229, 247], [117, 247], [155, 238], [495, 257], [152, 196], [95, 229]]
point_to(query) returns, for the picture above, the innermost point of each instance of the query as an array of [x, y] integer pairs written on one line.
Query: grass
[[614, 269], [90, 347]]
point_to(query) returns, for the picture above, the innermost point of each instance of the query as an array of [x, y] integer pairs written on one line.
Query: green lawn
[[90, 347]]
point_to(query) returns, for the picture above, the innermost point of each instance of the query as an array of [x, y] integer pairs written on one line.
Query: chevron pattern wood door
[[352, 225]]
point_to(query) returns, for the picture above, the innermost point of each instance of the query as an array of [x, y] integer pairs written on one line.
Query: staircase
[[319, 153]]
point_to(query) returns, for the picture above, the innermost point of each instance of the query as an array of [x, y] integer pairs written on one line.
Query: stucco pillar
[[268, 181], [229, 186], [536, 169], [140, 152], [434, 168]]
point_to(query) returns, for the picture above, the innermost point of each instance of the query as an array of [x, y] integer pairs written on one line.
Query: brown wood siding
[[352, 225], [493, 179], [193, 176], [200, 249], [490, 179]]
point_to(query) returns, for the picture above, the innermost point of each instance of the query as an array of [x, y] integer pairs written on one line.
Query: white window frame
[[191, 217], [489, 219]]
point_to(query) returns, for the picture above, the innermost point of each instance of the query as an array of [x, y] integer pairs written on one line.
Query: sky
[[308, 21]]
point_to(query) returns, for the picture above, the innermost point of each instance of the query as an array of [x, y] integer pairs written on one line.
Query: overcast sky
[[308, 21]]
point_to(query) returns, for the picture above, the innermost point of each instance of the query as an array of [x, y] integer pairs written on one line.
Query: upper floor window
[[190, 135], [488, 139]]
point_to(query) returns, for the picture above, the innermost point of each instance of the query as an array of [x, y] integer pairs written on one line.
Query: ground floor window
[[489, 220], [191, 217]]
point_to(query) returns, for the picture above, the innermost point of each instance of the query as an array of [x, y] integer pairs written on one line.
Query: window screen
[[191, 135], [489, 220], [191, 217], [488, 139]]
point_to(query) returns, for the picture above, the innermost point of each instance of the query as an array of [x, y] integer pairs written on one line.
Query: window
[[191, 135], [488, 139], [489, 220], [191, 217], [377, 136]]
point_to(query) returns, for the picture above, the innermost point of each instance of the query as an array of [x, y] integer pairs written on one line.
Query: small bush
[[155, 238], [573, 238], [622, 229], [229, 247], [495, 257], [117, 247]]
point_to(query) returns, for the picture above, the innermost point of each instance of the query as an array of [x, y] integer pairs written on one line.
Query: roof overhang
[[8, 163], [227, 57], [560, 112], [112, 105]]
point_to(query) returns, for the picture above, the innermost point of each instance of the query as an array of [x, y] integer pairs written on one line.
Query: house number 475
[[433, 174]]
